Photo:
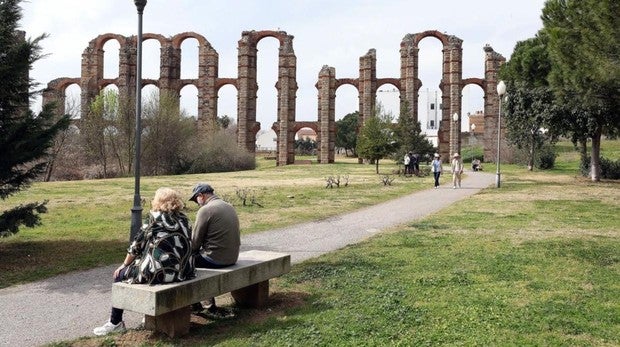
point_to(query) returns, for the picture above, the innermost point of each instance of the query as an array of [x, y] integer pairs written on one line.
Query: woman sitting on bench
[[160, 253]]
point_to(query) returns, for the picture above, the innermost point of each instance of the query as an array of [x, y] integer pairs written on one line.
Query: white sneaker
[[109, 328]]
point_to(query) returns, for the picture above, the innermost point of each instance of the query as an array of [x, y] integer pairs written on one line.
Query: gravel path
[[69, 306]]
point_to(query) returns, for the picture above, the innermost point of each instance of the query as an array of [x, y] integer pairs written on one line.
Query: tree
[[376, 139], [223, 122], [585, 76], [409, 137], [346, 133], [530, 106], [168, 134], [305, 146], [93, 129], [25, 138], [529, 110]]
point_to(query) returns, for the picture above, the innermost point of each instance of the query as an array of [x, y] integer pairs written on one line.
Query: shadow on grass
[[26, 261], [279, 314]]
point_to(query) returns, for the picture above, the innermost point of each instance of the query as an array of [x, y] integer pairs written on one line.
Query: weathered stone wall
[[492, 63]]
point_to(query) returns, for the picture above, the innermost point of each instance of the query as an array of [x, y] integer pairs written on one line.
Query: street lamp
[[456, 130], [136, 210], [501, 91]]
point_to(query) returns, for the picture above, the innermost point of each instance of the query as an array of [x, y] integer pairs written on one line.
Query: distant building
[[305, 134], [266, 141], [476, 123]]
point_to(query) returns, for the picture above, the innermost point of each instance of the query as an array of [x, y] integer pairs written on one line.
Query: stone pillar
[[492, 63], [409, 75], [92, 72], [54, 94], [208, 60], [449, 135], [170, 71], [246, 99], [128, 58], [454, 79], [287, 90], [326, 133], [367, 85]]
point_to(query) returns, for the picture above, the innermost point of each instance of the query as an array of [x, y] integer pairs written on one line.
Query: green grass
[[88, 221]]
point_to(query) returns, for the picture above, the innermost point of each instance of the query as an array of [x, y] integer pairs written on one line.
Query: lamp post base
[[497, 180]]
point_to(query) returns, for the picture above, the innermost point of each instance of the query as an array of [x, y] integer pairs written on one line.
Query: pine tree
[[410, 138], [24, 137]]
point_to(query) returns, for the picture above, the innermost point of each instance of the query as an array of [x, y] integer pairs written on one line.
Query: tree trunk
[[530, 159], [595, 159], [583, 149], [377, 166]]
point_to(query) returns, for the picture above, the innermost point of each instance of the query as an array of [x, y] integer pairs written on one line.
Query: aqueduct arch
[[208, 84]]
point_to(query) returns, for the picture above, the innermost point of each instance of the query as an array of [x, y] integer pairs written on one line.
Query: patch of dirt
[[279, 304]]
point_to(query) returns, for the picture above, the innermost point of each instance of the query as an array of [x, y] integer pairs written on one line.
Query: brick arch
[[160, 38], [56, 90], [177, 40], [300, 125], [101, 40], [150, 82], [393, 81], [350, 81], [256, 36], [430, 33], [61, 84], [477, 81], [247, 92], [106, 82], [450, 85], [225, 81]]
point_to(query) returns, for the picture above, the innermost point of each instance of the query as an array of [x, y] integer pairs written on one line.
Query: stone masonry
[[208, 84]]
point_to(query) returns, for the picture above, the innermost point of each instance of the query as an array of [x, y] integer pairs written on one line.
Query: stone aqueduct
[[208, 84]]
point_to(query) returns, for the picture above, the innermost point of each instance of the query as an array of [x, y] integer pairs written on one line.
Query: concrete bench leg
[[174, 323], [254, 296]]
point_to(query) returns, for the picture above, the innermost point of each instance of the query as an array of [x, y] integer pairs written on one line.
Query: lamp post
[[455, 134], [501, 91], [136, 210]]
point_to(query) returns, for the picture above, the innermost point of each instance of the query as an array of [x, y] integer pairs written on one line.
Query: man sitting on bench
[[215, 235]]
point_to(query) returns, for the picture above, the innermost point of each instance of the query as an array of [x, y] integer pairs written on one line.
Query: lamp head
[[501, 88], [140, 4]]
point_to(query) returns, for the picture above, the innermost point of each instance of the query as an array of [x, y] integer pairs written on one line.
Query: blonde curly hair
[[167, 200]]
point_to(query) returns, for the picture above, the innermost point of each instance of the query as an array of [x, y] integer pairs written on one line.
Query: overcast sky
[[334, 33]]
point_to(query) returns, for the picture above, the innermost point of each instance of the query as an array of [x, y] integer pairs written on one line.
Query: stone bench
[[167, 306]]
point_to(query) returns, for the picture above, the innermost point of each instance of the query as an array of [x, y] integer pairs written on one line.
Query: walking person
[[415, 164], [436, 168], [457, 170], [215, 238], [160, 253]]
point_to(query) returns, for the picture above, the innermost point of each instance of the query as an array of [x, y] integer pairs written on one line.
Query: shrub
[[545, 160], [220, 153], [469, 153], [610, 169]]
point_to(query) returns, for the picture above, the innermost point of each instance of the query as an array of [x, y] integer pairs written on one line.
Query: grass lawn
[[88, 221], [536, 263]]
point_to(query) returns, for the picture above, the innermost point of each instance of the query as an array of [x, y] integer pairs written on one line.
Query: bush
[[220, 153], [545, 160], [610, 169], [469, 153]]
